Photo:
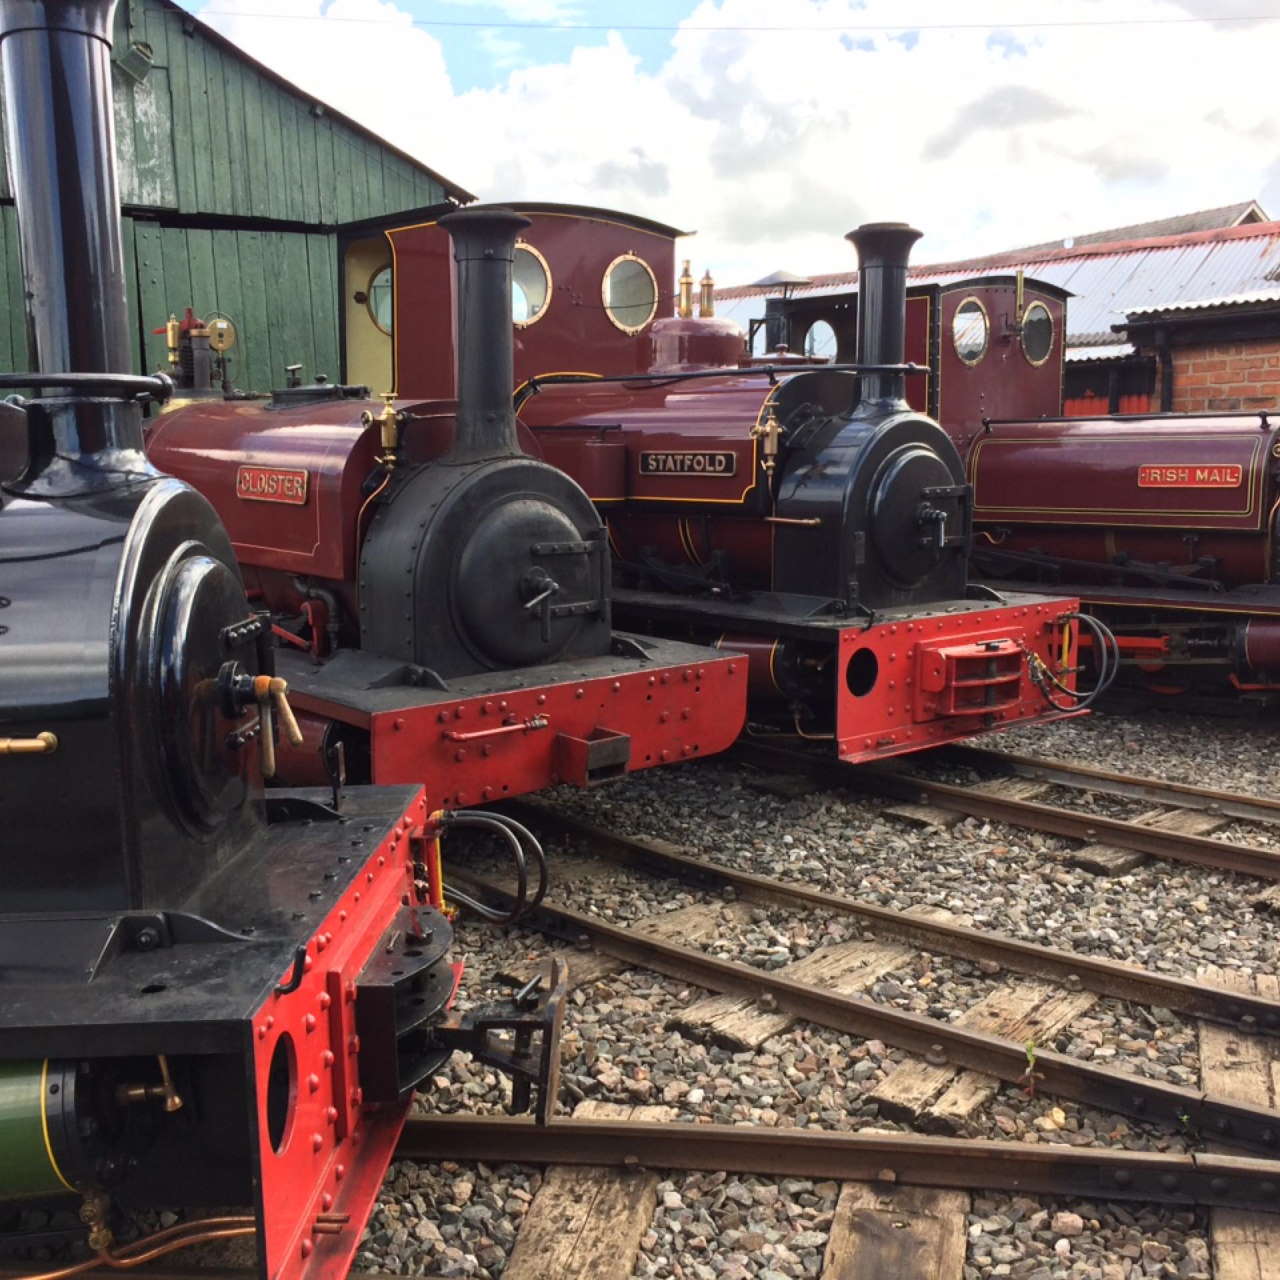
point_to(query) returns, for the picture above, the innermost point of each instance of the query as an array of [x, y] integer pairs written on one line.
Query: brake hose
[[522, 845], [1108, 667]]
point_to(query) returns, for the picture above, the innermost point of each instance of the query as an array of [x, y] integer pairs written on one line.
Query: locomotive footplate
[[903, 678], [510, 732], [236, 1052]]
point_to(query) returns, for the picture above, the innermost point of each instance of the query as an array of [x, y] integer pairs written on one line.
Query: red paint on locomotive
[[511, 548]]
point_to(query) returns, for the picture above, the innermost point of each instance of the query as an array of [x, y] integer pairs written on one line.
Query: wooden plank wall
[[281, 288], [13, 317], [207, 136], [208, 133]]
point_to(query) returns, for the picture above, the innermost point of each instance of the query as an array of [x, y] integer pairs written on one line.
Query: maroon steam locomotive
[[1164, 525], [822, 531], [445, 599], [812, 519]]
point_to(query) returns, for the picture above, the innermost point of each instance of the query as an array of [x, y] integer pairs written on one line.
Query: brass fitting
[[173, 338], [706, 297], [43, 744], [685, 308], [769, 433], [388, 422]]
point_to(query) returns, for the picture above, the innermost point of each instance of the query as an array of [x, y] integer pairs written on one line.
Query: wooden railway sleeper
[[1192, 1111], [1111, 978]]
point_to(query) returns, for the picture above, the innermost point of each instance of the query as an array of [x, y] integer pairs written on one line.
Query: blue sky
[[481, 57]]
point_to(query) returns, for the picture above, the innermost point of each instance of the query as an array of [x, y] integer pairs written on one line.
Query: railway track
[[919, 1179], [903, 1197], [970, 1047], [1169, 831]]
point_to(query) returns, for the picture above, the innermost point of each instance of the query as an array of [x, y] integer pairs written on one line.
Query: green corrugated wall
[[207, 135]]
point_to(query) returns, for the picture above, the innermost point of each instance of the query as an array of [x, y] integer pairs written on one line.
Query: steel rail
[[1107, 977], [953, 1044], [876, 780], [891, 1158], [1180, 795]]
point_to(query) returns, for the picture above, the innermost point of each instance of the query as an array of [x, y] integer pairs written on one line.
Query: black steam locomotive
[[810, 518], [211, 995]]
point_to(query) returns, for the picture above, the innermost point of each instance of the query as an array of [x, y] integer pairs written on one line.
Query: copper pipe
[[168, 1241], [199, 1237]]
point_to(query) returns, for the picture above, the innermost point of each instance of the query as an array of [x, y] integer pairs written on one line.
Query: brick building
[[1219, 355]]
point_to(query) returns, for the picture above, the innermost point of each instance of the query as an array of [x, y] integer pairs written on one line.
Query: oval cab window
[[530, 286], [380, 299], [1037, 333], [970, 331], [630, 293], [820, 341]]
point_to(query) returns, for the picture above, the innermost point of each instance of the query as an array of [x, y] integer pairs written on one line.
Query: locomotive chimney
[[60, 139], [883, 249], [484, 248]]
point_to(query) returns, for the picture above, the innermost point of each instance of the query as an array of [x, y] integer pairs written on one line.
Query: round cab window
[[530, 286], [820, 341], [380, 299], [630, 293], [1037, 333], [970, 330]]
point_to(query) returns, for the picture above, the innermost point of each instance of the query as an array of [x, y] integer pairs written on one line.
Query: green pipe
[[27, 1165]]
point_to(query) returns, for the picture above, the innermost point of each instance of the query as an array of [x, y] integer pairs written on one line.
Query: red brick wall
[[1226, 376]]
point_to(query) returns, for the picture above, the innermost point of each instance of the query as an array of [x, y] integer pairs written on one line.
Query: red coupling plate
[[921, 682]]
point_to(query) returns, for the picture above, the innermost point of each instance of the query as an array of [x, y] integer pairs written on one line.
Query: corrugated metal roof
[[1256, 296], [1111, 351], [1108, 281], [1107, 287], [1227, 215]]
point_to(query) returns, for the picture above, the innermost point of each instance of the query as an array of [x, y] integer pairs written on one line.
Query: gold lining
[[751, 471], [1254, 487], [390, 233], [986, 330], [546, 271], [1022, 328], [604, 293], [44, 1124]]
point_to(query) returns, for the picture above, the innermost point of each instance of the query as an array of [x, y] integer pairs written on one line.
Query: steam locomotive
[[1164, 525], [776, 512], [808, 517], [444, 598], [212, 994]]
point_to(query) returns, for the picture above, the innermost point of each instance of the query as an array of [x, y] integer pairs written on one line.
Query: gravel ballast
[[620, 1044]]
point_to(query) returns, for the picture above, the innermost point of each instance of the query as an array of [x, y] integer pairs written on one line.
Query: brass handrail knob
[[43, 744]]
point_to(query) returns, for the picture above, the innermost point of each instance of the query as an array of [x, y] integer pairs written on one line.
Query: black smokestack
[[484, 248], [883, 250], [60, 136]]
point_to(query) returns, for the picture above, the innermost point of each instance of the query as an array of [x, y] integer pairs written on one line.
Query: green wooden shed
[[234, 186]]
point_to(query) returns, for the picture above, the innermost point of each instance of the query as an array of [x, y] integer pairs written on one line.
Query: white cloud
[[775, 143]]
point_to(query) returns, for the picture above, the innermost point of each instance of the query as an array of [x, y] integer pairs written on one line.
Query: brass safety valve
[[706, 296], [388, 422], [685, 307]]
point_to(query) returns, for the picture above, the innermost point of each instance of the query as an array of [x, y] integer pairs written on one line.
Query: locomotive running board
[[507, 733]]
